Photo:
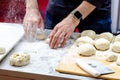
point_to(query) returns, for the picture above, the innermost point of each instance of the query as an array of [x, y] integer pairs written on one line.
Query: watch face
[[77, 14]]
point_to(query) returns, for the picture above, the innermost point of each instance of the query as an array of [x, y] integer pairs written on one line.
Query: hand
[[62, 31], [32, 20]]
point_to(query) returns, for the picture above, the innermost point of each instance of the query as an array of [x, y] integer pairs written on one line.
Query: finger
[[55, 39], [52, 34], [65, 40], [60, 40]]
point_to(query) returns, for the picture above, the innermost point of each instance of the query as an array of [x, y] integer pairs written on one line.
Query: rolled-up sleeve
[[97, 3]]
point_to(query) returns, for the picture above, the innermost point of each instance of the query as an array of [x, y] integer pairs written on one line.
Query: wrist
[[74, 20]]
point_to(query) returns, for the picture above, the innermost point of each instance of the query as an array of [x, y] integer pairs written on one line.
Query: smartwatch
[[77, 14]]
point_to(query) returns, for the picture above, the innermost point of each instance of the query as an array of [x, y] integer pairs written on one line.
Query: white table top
[[43, 59]]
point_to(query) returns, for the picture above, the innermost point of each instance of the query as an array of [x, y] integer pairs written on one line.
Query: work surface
[[42, 63]]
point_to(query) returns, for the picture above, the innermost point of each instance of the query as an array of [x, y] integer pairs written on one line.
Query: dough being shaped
[[19, 59], [47, 40], [106, 35], [89, 33], [118, 61], [117, 38], [102, 44], [116, 47], [83, 40], [111, 57], [41, 34], [2, 50], [86, 50]]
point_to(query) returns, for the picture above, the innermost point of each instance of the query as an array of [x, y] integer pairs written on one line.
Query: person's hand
[[32, 20], [62, 31]]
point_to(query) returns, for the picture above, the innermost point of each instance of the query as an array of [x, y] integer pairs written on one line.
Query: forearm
[[31, 4], [85, 8]]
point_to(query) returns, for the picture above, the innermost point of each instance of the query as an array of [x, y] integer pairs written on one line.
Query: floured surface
[[68, 64], [9, 36]]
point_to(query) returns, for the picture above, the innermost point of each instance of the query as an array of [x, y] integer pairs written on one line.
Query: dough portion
[[40, 34], [89, 33], [102, 44], [116, 47], [47, 40], [106, 35], [2, 50], [83, 40], [111, 57], [19, 59], [117, 38], [86, 50], [118, 61]]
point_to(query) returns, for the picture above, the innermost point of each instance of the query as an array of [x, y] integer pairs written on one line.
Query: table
[[42, 63]]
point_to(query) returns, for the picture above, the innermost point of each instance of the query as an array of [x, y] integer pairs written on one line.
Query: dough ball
[[86, 50], [2, 50], [111, 57], [83, 40], [47, 40], [106, 35], [19, 59], [117, 38], [41, 36], [118, 61], [89, 33], [102, 44], [116, 47]]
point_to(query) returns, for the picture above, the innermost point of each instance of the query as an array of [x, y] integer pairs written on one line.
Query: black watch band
[[77, 14]]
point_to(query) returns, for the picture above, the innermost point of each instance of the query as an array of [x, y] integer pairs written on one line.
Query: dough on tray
[[19, 59], [89, 33], [2, 50], [83, 40], [116, 47], [111, 57], [40, 34], [102, 44], [117, 38], [118, 61], [106, 35], [86, 50]]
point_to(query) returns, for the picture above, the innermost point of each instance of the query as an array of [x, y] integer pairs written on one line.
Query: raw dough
[[117, 38], [89, 33], [40, 34], [47, 40], [2, 50], [111, 57], [116, 47], [118, 61], [19, 59], [106, 35], [86, 50], [83, 40], [102, 44]]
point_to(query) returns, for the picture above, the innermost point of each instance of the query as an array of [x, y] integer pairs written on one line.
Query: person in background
[[64, 16]]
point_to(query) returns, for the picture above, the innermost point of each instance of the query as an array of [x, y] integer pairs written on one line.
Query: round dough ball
[[111, 57], [47, 40], [116, 47], [86, 50], [83, 40], [19, 59], [102, 44], [106, 35], [118, 61], [89, 33], [2, 50], [117, 38], [41, 36]]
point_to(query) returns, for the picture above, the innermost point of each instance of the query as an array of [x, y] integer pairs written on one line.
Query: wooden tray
[[68, 65]]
